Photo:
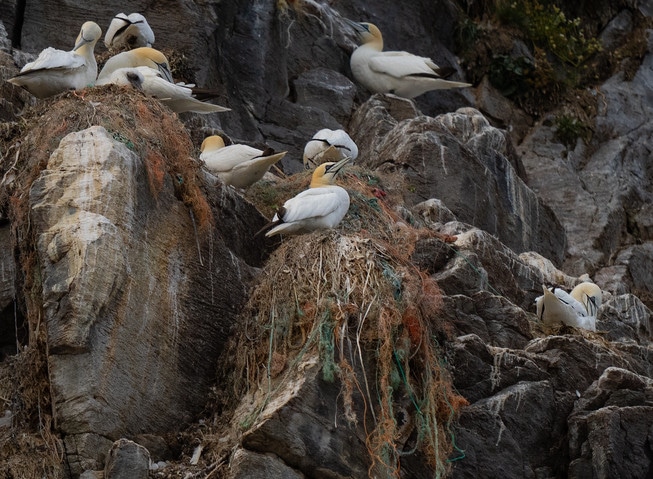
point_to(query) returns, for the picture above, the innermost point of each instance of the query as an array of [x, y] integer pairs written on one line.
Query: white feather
[[329, 145], [129, 31]]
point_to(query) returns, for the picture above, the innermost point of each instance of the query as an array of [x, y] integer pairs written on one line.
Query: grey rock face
[[610, 428], [601, 192], [462, 160]]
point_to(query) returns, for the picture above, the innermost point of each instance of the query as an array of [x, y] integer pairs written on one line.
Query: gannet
[[577, 309], [128, 31], [321, 206], [177, 96], [55, 71], [238, 165], [400, 73], [329, 145], [139, 57]]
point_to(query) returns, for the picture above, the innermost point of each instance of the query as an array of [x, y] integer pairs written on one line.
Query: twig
[[4, 178], [197, 239]]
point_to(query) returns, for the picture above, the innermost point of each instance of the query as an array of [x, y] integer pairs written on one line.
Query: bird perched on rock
[[139, 57], [238, 165], [128, 31], [329, 145], [578, 308], [321, 206], [176, 96], [400, 73], [55, 71]]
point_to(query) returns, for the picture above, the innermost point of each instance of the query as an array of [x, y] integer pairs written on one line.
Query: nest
[[354, 299]]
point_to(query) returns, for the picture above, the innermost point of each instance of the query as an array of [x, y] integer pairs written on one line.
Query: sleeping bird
[[400, 73], [329, 145], [55, 71], [176, 96], [323, 205], [578, 308], [139, 57], [238, 165], [128, 31]]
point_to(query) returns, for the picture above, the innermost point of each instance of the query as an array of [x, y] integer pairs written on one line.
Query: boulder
[[100, 232], [463, 161], [126, 459]]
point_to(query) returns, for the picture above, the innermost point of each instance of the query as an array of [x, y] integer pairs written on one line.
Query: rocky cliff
[[147, 328]]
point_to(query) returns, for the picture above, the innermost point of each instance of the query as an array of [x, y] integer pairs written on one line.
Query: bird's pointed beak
[[167, 74], [357, 27], [335, 169]]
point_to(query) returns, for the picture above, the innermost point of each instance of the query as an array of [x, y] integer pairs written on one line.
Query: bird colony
[[323, 205]]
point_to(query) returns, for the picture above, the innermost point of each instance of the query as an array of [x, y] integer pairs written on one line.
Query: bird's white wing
[[227, 158], [341, 140], [118, 22], [144, 28], [311, 203], [568, 300], [401, 64], [51, 58], [154, 84]]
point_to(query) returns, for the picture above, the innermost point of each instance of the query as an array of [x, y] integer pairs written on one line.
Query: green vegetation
[[569, 129], [530, 50], [548, 27]]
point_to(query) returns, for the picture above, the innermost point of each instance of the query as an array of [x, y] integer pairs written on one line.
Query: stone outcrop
[[133, 289], [466, 163]]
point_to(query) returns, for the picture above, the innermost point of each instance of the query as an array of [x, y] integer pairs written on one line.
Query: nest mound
[[143, 124], [356, 300]]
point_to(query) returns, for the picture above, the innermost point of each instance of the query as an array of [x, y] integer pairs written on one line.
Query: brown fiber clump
[[346, 295]]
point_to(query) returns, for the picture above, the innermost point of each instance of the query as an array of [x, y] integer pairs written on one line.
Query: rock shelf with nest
[[357, 303]]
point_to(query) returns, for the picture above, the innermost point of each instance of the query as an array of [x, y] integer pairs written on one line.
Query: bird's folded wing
[[401, 64], [571, 302], [51, 58], [311, 203]]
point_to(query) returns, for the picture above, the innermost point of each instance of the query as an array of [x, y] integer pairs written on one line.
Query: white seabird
[[238, 165], [55, 71], [139, 57], [128, 31], [400, 73], [578, 308], [329, 145], [177, 96], [323, 205]]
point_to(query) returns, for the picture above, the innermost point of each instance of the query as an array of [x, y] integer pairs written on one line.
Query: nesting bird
[[238, 165], [139, 57], [55, 71], [323, 205], [578, 308], [329, 146], [176, 96], [128, 31], [400, 73]]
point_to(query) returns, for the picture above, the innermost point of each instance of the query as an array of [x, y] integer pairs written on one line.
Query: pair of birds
[[241, 165], [578, 308], [144, 68], [323, 205]]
